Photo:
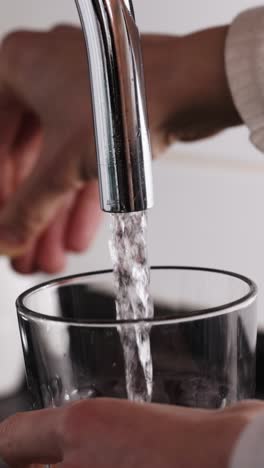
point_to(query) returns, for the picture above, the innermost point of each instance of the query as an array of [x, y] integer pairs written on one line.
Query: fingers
[[71, 435], [19, 51], [72, 230], [51, 252], [20, 143], [26, 264], [36, 202], [34, 437], [64, 163], [26, 147], [19, 140], [84, 219], [47, 253], [10, 119]]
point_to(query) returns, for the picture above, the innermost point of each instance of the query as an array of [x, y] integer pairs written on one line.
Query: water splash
[[128, 248]]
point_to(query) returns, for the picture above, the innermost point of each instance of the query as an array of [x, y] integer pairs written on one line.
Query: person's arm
[[48, 189], [187, 88], [48, 186], [104, 433]]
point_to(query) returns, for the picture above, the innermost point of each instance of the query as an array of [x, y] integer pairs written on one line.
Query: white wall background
[[209, 196]]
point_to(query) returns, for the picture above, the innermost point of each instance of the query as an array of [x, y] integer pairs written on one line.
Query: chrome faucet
[[119, 104]]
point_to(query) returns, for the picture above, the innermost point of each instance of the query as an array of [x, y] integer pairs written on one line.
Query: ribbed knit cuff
[[245, 70]]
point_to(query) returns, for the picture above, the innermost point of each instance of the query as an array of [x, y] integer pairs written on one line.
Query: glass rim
[[224, 309]]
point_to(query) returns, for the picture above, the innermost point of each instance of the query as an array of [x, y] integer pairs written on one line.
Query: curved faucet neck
[[119, 104]]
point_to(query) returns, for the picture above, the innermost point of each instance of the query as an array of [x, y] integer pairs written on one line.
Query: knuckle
[[62, 29], [74, 411], [10, 39], [8, 427], [7, 434], [24, 221], [15, 40], [79, 418], [9, 50], [18, 49]]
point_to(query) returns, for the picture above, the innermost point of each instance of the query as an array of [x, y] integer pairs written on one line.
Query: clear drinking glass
[[203, 338]]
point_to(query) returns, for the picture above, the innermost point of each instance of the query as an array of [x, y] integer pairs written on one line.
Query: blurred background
[[209, 196]]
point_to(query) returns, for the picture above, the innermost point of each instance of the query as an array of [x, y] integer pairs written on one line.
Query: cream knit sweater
[[245, 71]]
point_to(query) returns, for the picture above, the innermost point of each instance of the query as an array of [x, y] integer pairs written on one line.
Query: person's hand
[[112, 434], [48, 187]]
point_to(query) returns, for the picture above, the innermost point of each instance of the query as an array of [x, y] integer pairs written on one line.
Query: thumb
[[33, 437], [36, 201]]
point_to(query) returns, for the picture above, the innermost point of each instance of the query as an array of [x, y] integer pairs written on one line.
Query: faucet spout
[[119, 104]]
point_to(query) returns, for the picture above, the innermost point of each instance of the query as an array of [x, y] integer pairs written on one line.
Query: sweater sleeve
[[245, 70], [244, 57], [249, 450]]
